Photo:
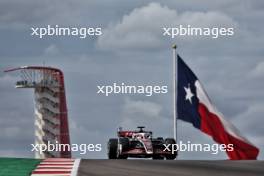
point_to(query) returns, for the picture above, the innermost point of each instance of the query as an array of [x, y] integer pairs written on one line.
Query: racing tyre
[[174, 155], [122, 157], [125, 143], [157, 157], [112, 148]]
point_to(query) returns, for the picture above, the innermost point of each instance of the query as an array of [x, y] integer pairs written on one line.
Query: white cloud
[[225, 78], [258, 71], [15, 153], [249, 120], [142, 28], [11, 132], [138, 112], [51, 50], [6, 80], [146, 108]]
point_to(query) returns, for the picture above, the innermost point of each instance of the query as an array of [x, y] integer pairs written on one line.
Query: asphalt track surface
[[169, 168]]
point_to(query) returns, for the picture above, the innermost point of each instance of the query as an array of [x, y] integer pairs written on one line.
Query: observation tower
[[51, 117]]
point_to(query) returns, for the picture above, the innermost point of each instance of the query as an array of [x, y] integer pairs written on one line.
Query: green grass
[[17, 166]]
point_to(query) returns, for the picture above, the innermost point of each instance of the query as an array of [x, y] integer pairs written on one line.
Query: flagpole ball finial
[[174, 46]]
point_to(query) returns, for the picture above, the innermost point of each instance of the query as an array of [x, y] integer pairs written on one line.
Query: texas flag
[[194, 106]]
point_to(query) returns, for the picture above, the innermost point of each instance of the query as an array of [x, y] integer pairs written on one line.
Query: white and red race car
[[139, 144]]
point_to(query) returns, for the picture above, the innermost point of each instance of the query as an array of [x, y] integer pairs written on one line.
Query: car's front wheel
[[112, 148], [124, 144]]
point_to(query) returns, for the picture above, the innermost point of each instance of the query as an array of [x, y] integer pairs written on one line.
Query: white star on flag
[[189, 93]]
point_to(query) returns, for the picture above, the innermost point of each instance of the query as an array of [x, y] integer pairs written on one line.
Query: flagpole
[[174, 92]]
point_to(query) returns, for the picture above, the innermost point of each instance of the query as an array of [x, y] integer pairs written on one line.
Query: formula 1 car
[[139, 144]]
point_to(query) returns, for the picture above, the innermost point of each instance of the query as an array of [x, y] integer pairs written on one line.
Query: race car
[[139, 144]]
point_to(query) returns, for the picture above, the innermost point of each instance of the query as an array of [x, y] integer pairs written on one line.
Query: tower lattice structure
[[51, 117]]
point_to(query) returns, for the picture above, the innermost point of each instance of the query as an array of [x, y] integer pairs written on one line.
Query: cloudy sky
[[132, 50]]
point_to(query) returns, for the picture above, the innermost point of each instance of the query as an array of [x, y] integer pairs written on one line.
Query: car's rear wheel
[[112, 148], [172, 142]]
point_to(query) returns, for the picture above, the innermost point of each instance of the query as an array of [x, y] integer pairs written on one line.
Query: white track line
[[57, 167], [75, 167]]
